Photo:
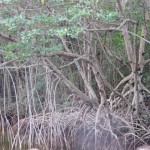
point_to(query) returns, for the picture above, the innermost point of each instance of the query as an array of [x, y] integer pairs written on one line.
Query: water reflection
[[6, 145]]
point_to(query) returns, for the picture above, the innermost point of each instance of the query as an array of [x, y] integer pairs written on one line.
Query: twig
[[7, 38]]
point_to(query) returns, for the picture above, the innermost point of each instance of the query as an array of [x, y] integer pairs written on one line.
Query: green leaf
[[10, 55]]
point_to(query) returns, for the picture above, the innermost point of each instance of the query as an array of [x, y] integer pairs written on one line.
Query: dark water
[[6, 145]]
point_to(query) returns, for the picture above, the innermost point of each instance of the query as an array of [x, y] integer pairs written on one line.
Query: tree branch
[[68, 54], [70, 85], [87, 84], [7, 38]]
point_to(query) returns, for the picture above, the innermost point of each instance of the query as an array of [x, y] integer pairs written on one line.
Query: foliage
[[58, 52], [35, 31]]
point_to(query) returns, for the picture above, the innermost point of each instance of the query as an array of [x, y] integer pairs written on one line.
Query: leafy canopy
[[36, 28]]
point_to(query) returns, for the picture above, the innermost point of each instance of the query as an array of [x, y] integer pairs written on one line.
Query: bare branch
[[68, 54], [7, 38], [69, 84], [117, 29], [5, 63], [147, 61], [86, 82]]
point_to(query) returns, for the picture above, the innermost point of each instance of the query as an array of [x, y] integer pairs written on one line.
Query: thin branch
[[7, 38], [108, 58], [68, 54], [5, 63], [72, 62], [86, 82], [117, 29], [70, 85], [147, 61], [2, 52], [124, 80]]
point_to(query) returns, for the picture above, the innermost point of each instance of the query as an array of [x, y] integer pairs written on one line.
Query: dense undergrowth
[[75, 74]]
